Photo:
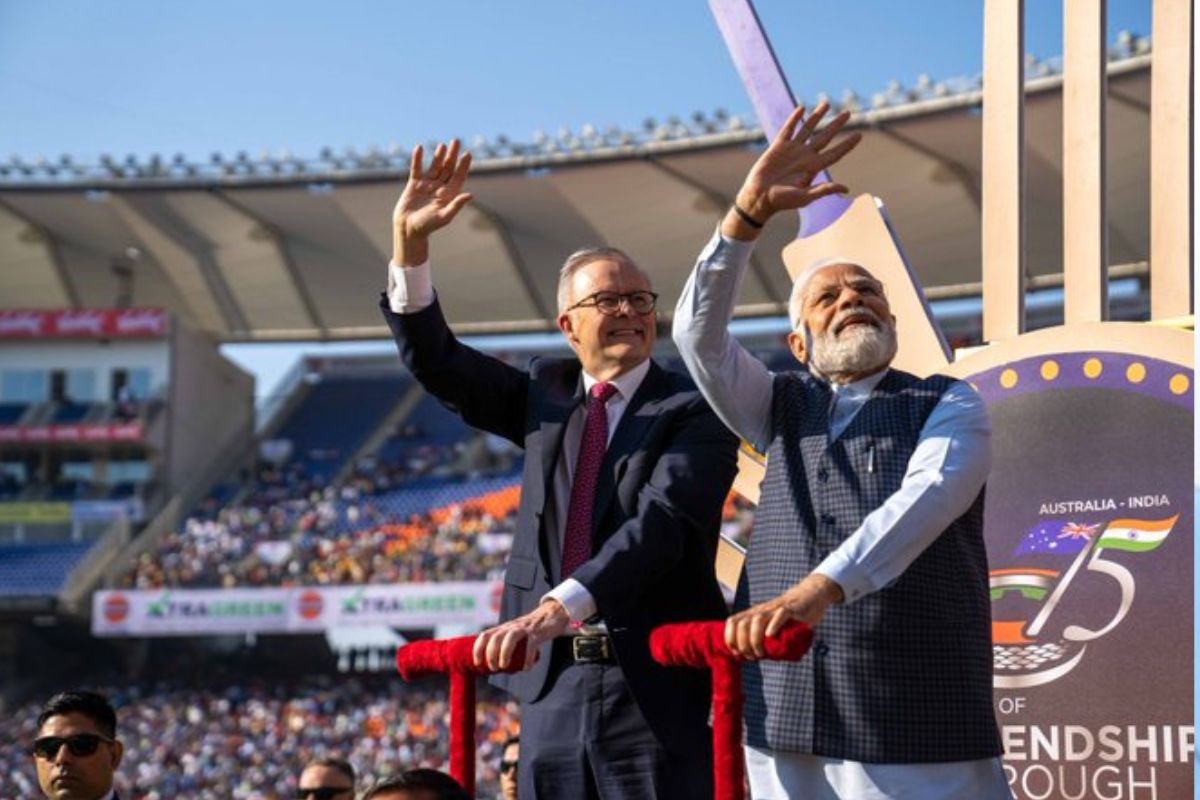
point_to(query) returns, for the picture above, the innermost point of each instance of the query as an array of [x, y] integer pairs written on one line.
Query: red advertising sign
[[83, 323], [74, 432]]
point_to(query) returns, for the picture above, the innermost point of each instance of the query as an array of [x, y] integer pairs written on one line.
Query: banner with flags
[[1136, 535]]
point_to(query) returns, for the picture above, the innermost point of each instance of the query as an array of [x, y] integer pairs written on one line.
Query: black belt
[[588, 649]]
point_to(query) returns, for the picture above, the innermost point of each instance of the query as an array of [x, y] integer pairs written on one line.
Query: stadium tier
[[38, 568], [361, 479], [428, 531], [335, 417]]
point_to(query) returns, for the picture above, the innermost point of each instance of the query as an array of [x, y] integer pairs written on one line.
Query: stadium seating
[[335, 418], [11, 413], [424, 531], [67, 411], [38, 569]]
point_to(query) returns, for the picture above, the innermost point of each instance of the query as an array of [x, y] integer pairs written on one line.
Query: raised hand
[[782, 178], [431, 199]]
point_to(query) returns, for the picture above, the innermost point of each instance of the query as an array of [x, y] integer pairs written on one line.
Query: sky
[[86, 77], [89, 77]]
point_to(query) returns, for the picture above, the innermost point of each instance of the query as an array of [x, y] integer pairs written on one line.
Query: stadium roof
[[278, 249]]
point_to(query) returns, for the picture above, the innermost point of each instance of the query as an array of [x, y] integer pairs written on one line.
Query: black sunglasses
[[79, 744], [322, 792], [508, 766]]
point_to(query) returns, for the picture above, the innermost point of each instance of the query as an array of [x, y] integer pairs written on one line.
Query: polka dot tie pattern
[[577, 540]]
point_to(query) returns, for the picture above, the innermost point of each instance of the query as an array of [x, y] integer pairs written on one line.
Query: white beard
[[859, 350]]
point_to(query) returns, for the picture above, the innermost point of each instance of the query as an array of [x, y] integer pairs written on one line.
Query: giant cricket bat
[[857, 229]]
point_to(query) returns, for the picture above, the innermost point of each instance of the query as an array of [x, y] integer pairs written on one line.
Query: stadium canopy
[[282, 249]]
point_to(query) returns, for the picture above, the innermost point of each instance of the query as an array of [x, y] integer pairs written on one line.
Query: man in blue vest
[[869, 524]]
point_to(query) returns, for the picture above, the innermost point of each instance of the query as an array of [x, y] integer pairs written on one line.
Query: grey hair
[[580, 259], [796, 300]]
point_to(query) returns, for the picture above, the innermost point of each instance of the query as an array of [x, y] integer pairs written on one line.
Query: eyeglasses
[[79, 745], [322, 792], [508, 766], [610, 302]]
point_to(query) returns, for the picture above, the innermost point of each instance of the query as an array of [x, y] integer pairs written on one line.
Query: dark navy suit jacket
[[656, 516]]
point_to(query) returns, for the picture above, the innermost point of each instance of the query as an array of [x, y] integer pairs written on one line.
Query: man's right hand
[[805, 602], [430, 201]]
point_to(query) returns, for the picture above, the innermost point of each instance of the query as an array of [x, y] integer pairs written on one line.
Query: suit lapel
[[630, 432], [559, 404]]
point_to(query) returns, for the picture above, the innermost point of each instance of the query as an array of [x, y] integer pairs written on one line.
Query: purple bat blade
[[769, 94]]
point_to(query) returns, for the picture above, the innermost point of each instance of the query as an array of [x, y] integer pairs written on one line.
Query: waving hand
[[431, 199], [782, 177]]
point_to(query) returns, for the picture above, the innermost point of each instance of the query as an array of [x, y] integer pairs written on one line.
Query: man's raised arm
[[737, 385], [486, 392], [430, 201]]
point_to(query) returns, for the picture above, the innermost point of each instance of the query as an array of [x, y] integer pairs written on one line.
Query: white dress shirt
[[948, 467], [410, 289]]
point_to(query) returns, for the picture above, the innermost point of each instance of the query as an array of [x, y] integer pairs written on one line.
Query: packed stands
[[250, 740], [429, 530]]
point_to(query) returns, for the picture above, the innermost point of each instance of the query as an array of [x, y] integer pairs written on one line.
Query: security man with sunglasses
[[626, 473], [510, 757], [76, 750], [326, 779]]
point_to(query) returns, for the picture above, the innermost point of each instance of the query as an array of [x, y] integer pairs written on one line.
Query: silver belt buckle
[[590, 649]]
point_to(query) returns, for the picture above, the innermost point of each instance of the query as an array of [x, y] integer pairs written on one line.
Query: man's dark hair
[[340, 764], [441, 785], [93, 706], [509, 742]]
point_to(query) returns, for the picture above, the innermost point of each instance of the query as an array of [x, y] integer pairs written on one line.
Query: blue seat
[[336, 417], [38, 569], [68, 411], [11, 412]]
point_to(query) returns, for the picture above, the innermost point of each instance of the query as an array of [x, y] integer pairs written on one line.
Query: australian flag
[[1054, 537]]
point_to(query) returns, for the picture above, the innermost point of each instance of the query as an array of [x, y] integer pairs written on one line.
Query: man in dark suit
[[626, 471], [76, 750]]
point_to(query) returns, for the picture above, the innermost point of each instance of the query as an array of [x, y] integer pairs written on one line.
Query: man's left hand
[[495, 647], [782, 177], [805, 602]]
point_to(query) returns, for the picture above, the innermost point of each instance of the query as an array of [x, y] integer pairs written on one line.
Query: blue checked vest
[[902, 675]]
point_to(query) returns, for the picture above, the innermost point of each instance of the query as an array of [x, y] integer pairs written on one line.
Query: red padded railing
[[702, 644], [683, 644], [453, 657]]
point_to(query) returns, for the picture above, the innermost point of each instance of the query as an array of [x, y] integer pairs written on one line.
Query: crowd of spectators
[[251, 741], [291, 525], [404, 456], [346, 536], [334, 537]]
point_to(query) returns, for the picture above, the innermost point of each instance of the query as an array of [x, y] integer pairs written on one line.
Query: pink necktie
[[577, 540]]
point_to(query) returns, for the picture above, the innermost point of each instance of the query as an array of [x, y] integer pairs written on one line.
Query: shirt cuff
[[845, 573], [576, 599], [410, 289], [728, 250]]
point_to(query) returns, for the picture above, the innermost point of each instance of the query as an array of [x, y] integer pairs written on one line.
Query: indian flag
[[1136, 535]]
